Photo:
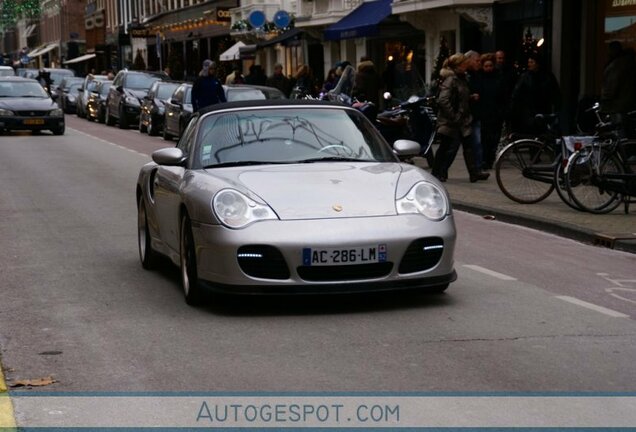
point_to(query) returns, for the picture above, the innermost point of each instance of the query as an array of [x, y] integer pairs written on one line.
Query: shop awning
[[80, 58], [362, 21], [284, 38], [232, 53], [247, 52], [34, 52], [42, 50]]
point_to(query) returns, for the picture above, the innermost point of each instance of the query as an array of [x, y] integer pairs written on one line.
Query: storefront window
[[620, 22]]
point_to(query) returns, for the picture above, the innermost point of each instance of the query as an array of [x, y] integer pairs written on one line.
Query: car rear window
[[22, 89]]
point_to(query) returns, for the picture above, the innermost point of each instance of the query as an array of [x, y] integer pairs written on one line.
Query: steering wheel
[[348, 151]]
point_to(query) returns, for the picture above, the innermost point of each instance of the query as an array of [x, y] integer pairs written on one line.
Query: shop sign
[[623, 3], [223, 14], [140, 33]]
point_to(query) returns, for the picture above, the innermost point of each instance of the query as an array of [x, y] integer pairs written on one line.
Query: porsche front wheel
[[188, 258], [147, 255]]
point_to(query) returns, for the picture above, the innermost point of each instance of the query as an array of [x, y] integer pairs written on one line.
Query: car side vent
[[422, 254], [262, 261]]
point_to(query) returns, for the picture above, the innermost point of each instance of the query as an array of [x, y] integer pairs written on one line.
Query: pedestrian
[[256, 76], [168, 72], [536, 92], [493, 102], [236, 77], [454, 119], [207, 89], [366, 85], [44, 78], [280, 81], [330, 82], [475, 83], [341, 66], [508, 79], [303, 83], [618, 90]]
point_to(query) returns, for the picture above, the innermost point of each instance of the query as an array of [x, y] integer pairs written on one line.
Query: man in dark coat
[[207, 89], [536, 92], [619, 86], [280, 81]]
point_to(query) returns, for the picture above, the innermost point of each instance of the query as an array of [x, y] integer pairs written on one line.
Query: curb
[[547, 225], [7, 418]]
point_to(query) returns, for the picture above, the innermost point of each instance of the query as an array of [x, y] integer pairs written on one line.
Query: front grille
[[345, 272], [422, 254], [261, 261], [32, 113]]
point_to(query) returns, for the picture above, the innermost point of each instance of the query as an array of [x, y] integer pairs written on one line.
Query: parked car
[[178, 110], [239, 92], [57, 76], [281, 196], [6, 71], [25, 105], [68, 100], [26, 72], [153, 106], [96, 106], [123, 104], [89, 83], [64, 87]]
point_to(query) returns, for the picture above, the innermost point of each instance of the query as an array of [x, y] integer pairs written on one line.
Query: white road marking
[[601, 309], [490, 272], [108, 142]]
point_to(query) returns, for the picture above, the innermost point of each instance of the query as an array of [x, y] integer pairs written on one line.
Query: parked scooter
[[414, 120]]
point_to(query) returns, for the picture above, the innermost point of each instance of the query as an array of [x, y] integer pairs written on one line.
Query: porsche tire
[[188, 259], [147, 254]]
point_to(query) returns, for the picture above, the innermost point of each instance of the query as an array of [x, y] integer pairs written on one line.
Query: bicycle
[[529, 169], [600, 177]]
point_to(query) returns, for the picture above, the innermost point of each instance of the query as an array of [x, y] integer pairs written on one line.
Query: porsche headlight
[[56, 112], [426, 199], [235, 210], [4, 112]]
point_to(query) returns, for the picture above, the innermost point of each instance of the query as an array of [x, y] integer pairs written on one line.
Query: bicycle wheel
[[561, 187], [513, 176], [582, 181]]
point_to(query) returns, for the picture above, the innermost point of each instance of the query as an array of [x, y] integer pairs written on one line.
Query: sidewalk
[[615, 230]]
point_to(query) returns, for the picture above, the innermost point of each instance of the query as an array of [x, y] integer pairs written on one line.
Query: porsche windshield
[[288, 135], [11, 89]]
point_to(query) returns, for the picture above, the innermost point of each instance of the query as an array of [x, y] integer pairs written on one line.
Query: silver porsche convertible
[[275, 197]]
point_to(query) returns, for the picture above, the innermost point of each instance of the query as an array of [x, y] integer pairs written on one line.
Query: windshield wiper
[[243, 163], [334, 159], [31, 96]]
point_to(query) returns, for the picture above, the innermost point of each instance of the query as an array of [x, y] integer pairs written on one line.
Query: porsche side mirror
[[406, 147], [170, 156]]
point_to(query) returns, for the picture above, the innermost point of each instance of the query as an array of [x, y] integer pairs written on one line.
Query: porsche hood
[[322, 190]]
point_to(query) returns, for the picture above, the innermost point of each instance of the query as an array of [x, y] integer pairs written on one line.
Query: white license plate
[[344, 256]]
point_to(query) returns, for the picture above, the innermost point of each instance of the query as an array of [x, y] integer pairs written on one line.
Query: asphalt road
[[529, 312]]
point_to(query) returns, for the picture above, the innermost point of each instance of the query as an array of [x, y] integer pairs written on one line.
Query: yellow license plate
[[34, 122]]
